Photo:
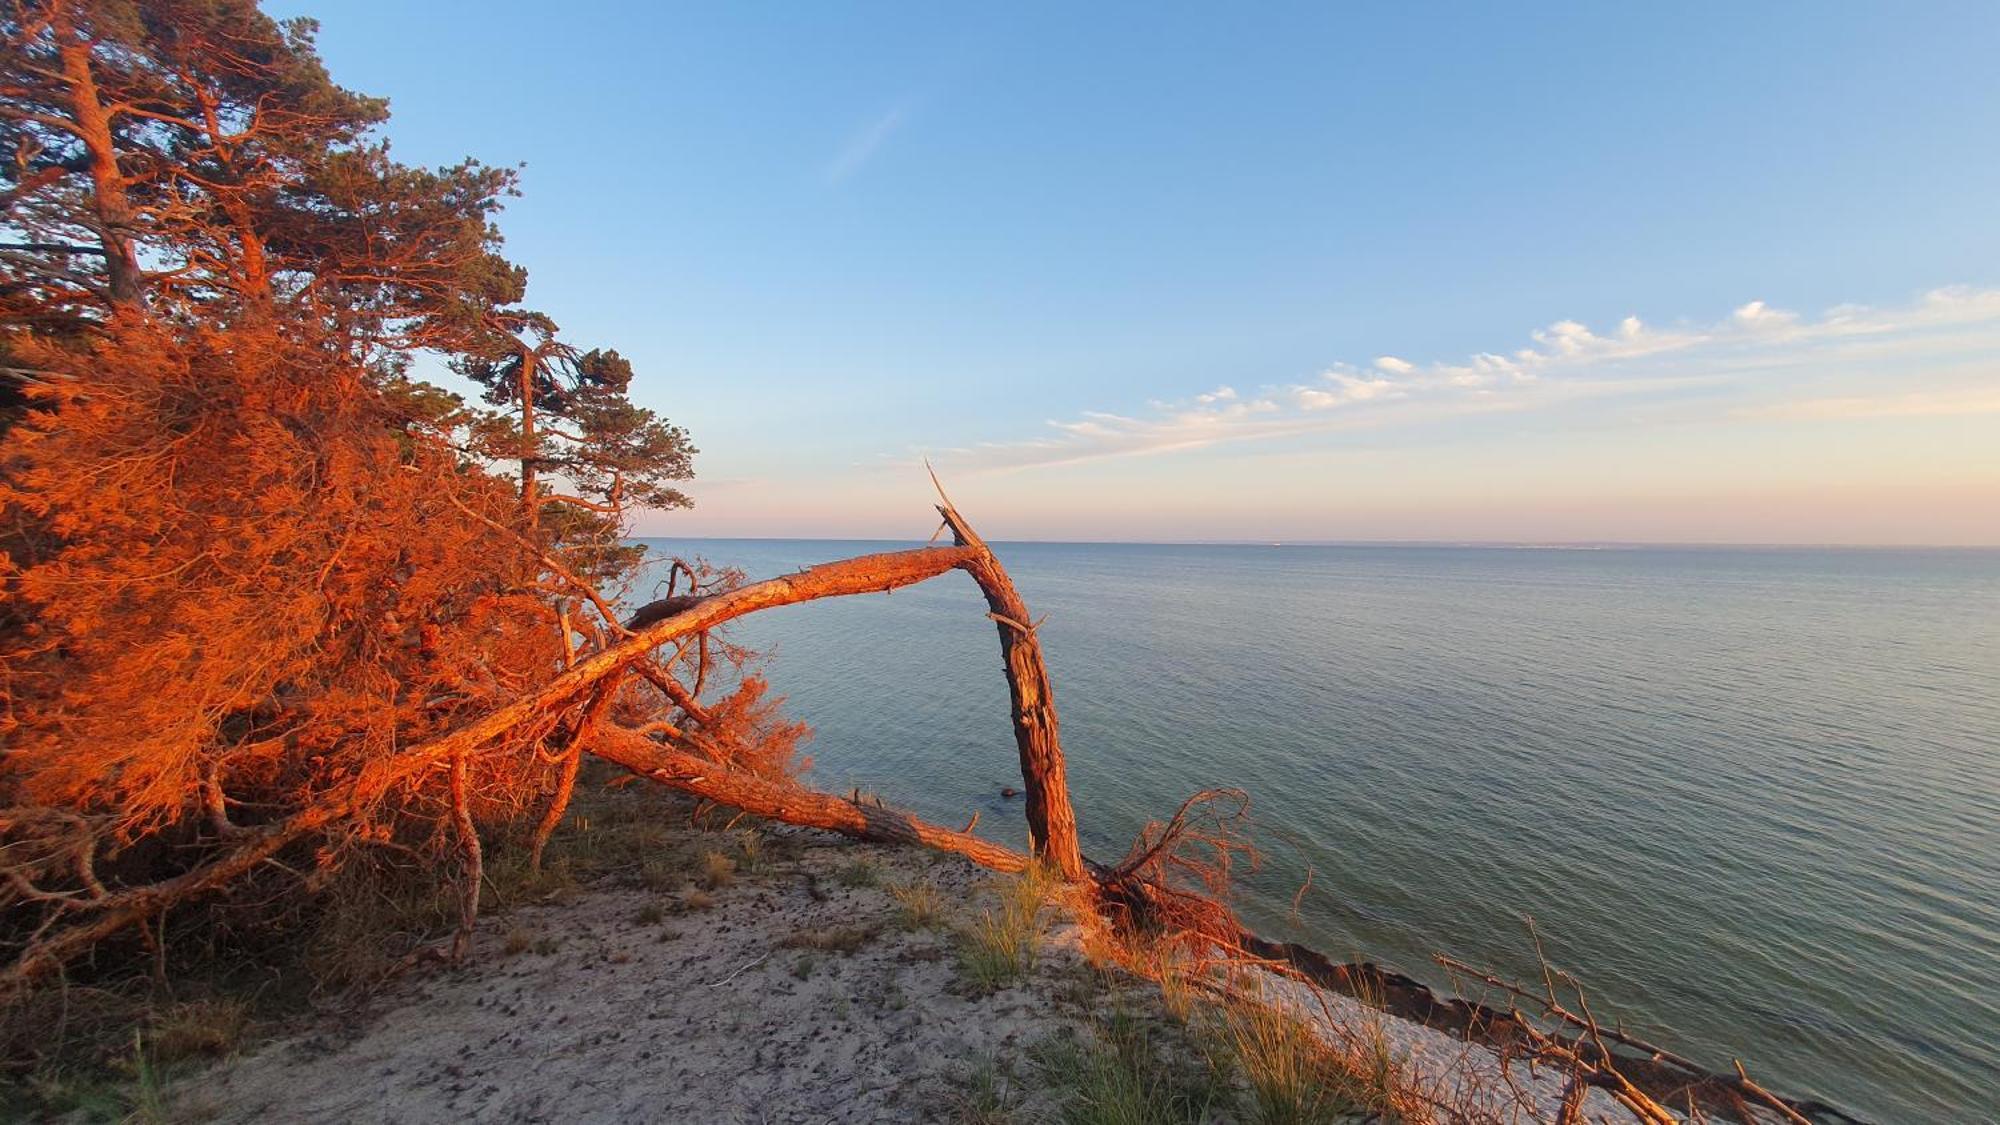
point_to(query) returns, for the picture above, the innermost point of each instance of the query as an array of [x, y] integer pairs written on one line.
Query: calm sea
[[1751, 797]]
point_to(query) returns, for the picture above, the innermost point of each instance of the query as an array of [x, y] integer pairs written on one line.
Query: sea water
[[1750, 797]]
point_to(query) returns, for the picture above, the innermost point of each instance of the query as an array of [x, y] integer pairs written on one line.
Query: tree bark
[[475, 856]]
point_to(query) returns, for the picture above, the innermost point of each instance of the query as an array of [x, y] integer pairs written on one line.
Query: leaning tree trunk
[[1044, 781]]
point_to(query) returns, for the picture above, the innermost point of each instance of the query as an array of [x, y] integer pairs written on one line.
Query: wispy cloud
[[1941, 352], [1973, 400], [864, 143]]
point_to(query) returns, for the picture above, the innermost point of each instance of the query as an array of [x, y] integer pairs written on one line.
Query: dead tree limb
[[791, 803], [865, 574], [1051, 818], [593, 712], [676, 694], [475, 857]]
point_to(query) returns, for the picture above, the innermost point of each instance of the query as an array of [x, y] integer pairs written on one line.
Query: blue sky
[[1194, 272]]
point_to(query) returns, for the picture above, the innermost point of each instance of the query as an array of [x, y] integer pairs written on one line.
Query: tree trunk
[[475, 856], [107, 180], [1044, 780], [531, 448]]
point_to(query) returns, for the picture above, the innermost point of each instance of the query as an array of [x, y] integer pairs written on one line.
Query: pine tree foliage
[[245, 552]]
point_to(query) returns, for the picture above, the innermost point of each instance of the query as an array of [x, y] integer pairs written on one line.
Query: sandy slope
[[623, 1004], [702, 1016]]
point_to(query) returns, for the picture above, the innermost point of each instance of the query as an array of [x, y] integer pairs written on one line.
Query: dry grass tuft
[[843, 940], [1293, 1077], [750, 849], [717, 870], [920, 904], [197, 1029], [1000, 946]]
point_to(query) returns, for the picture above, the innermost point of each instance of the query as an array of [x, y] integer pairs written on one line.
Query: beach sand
[[795, 992]]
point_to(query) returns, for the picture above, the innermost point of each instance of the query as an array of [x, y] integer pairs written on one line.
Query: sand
[[710, 1015], [622, 1003]]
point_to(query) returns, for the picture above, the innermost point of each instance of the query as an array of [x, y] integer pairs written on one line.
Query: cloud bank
[[1937, 355]]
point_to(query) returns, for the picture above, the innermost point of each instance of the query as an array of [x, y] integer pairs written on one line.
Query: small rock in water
[[1009, 791]]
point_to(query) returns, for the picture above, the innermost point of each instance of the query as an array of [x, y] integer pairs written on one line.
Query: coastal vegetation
[[307, 663]]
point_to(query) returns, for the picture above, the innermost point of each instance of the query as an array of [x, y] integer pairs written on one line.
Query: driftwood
[[1052, 822]]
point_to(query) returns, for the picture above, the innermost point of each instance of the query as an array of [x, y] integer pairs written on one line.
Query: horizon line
[[1464, 544]]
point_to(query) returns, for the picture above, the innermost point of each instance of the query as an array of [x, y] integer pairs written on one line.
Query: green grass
[[1001, 944], [986, 1098], [132, 1087], [1125, 1073], [860, 873]]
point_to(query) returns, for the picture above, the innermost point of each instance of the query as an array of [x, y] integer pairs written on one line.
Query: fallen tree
[[84, 918]]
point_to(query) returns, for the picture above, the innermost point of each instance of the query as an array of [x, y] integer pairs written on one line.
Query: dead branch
[[475, 859], [1553, 1008], [593, 712], [680, 696], [1767, 1097], [1603, 1071], [791, 803]]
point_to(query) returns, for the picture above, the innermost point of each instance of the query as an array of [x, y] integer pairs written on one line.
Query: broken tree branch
[[791, 803]]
